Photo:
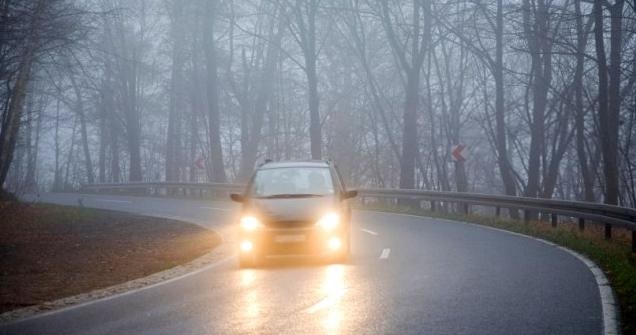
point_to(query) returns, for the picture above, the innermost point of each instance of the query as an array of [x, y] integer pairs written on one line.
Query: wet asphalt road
[[407, 275]]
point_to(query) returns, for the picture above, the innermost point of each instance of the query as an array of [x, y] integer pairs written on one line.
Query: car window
[[292, 181]]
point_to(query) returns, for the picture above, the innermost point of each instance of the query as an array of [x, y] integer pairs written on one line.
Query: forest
[[541, 93]]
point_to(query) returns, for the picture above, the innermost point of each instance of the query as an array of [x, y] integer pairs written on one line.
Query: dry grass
[[49, 252]]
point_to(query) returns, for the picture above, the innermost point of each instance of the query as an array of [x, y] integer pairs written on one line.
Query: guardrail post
[[432, 206], [581, 224], [633, 240], [554, 220], [497, 211], [464, 208], [608, 231]]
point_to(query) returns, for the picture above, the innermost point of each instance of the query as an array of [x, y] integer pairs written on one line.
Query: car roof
[[287, 164]]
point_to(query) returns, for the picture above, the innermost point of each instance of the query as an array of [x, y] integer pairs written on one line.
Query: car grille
[[289, 224]]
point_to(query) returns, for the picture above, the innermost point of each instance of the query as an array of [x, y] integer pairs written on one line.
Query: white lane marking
[[330, 300], [115, 201], [371, 232], [216, 208], [385, 253], [608, 304]]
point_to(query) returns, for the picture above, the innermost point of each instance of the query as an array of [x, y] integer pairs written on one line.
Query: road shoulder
[[56, 256]]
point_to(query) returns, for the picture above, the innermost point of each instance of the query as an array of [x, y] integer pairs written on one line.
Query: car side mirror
[[237, 197], [349, 194]]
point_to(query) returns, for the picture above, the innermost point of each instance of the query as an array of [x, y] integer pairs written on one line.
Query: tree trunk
[[307, 34], [29, 179], [198, 107], [133, 123], [103, 136], [608, 96], [79, 109], [69, 159], [535, 30], [612, 121], [560, 145], [57, 178], [505, 168], [409, 131], [440, 163], [177, 95], [115, 171], [11, 127], [314, 113], [581, 42], [420, 41], [216, 151], [263, 99]]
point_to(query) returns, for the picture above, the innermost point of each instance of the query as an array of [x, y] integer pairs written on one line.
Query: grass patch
[[49, 252], [614, 257]]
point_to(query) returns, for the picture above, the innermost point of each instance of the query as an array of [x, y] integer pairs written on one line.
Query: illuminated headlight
[[250, 223], [247, 246], [334, 243], [329, 221]]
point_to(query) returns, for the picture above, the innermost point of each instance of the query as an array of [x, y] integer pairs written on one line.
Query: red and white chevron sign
[[458, 153], [199, 163]]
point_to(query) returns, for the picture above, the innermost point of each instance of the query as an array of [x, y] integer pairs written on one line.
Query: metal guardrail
[[166, 188], [595, 213]]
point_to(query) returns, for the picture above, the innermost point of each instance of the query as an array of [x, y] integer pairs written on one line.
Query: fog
[[540, 94]]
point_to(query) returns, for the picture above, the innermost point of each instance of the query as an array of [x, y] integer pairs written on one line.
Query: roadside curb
[[611, 324]]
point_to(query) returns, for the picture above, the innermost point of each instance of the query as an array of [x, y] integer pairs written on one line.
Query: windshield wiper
[[288, 196]]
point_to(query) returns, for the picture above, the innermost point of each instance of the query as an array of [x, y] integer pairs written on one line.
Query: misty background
[[540, 92]]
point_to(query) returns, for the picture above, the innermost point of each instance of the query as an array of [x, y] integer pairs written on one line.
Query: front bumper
[[294, 241]]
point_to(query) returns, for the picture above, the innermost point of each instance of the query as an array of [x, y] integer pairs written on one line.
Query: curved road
[[407, 275]]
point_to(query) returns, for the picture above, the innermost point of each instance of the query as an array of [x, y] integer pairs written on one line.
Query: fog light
[[246, 246], [334, 243]]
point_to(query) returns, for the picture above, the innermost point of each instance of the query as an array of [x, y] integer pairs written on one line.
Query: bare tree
[[177, 91], [301, 21], [209, 38], [37, 27], [609, 78], [582, 33], [419, 34]]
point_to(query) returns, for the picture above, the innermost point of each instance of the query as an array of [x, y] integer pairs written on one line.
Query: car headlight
[[250, 223], [329, 221]]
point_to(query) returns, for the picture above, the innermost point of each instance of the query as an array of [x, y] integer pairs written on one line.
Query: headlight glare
[[329, 221], [250, 223]]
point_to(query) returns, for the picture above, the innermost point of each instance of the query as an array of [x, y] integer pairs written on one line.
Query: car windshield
[[292, 182]]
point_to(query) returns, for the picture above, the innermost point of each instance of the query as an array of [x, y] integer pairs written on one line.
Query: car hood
[[296, 209]]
